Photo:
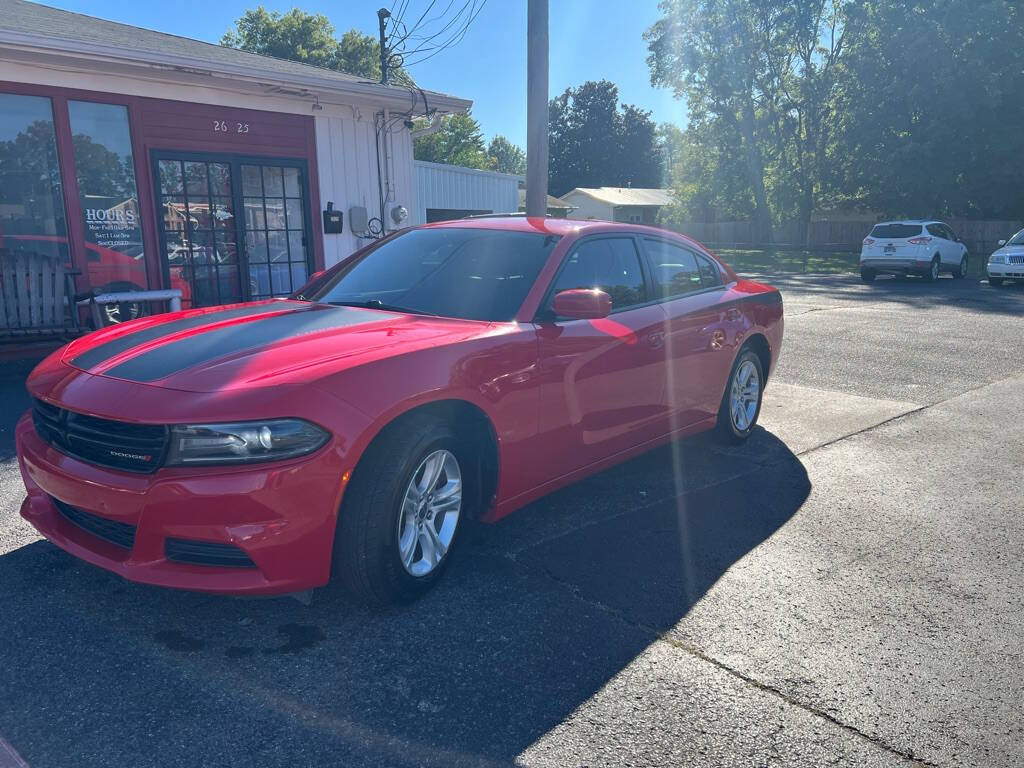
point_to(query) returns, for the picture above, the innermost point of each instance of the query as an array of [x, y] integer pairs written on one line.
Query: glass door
[[275, 229], [216, 256], [198, 234]]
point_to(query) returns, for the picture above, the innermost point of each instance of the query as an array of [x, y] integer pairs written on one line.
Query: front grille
[[116, 444], [1015, 259], [207, 553], [121, 534]]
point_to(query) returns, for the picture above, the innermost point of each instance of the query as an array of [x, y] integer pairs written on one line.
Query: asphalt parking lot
[[844, 589]]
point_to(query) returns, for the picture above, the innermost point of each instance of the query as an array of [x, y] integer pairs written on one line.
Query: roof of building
[[625, 195], [30, 25], [554, 203]]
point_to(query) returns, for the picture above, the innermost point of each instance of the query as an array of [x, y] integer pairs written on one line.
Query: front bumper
[[281, 515], [1006, 271]]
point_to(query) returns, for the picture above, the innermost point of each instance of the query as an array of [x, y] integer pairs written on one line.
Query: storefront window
[[108, 195], [31, 194]]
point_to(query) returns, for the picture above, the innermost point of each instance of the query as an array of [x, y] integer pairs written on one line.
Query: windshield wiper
[[378, 304]]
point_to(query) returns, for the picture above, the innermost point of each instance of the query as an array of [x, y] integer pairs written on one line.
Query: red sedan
[[450, 371]]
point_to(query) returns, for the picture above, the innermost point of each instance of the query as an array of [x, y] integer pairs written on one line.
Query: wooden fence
[[981, 237]]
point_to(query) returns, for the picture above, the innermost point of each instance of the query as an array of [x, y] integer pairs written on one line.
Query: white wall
[[465, 189], [347, 166], [588, 207]]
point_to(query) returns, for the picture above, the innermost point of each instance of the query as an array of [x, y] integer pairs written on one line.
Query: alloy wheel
[[744, 395], [430, 513], [935, 270]]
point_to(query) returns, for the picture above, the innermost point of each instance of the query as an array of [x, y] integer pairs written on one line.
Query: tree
[[459, 141], [506, 157], [308, 38], [931, 108], [592, 143]]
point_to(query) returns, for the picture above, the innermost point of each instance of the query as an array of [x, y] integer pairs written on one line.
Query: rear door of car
[[602, 380], [691, 285]]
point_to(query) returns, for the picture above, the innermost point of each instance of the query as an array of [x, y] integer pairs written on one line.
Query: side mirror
[[582, 304], [1002, 243]]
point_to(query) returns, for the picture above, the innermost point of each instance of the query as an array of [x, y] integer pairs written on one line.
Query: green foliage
[[902, 107], [307, 38], [594, 143], [506, 156], [459, 141]]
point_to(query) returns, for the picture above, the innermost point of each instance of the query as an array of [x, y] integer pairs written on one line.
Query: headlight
[[997, 258], [243, 442]]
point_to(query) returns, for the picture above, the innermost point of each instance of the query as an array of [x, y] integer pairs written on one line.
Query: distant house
[[557, 208], [627, 204]]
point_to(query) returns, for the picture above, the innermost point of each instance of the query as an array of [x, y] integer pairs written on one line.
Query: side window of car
[[673, 269], [608, 263], [950, 234], [710, 274], [933, 230]]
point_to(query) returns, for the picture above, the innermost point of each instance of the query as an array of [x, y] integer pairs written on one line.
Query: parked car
[[924, 248], [1007, 263], [445, 372]]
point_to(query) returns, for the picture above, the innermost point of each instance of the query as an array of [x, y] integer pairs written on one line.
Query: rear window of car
[[895, 231]]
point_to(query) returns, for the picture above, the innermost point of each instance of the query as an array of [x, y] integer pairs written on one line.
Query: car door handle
[[656, 340]]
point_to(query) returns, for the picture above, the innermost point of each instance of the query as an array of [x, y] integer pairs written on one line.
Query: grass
[[794, 262]]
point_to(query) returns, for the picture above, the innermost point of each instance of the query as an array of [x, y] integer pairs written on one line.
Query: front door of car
[[699, 331], [603, 380]]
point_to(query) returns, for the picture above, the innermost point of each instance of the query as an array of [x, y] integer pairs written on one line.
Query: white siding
[[347, 166], [588, 207], [464, 189]]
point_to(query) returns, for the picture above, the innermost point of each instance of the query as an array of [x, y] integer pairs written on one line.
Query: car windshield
[[1017, 239], [895, 231], [470, 273]]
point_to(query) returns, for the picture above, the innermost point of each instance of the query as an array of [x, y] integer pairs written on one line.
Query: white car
[[923, 248], [1007, 263]]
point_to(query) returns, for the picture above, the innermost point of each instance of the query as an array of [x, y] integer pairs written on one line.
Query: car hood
[[256, 345], [1010, 250]]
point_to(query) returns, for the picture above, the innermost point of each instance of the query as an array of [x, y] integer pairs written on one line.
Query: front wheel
[[741, 403], [402, 510]]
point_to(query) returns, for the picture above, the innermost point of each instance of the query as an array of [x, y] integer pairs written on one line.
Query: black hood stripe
[[111, 349], [176, 356]]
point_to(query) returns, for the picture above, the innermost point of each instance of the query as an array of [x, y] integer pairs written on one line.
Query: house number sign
[[222, 126]]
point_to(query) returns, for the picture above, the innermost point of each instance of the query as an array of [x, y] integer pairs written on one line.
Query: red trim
[[177, 126]]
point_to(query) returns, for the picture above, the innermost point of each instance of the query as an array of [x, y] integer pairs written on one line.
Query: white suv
[[923, 248], [1008, 262]]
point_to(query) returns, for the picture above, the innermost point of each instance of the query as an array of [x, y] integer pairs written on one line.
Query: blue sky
[[590, 40]]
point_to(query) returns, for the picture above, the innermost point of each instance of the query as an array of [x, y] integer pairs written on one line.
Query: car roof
[[548, 225]]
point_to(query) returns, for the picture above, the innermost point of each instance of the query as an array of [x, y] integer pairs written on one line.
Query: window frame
[[696, 253], [545, 314]]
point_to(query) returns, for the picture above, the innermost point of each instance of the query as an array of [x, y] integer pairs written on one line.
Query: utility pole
[[382, 16], [537, 108]]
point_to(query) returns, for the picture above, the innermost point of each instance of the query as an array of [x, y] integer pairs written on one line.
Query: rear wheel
[[868, 275], [961, 271], [741, 403], [933, 271], [402, 511], [995, 282]]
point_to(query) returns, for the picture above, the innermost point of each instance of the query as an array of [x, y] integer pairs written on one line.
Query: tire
[[995, 282], [868, 275], [367, 555], [731, 427], [123, 311], [961, 271], [933, 272]]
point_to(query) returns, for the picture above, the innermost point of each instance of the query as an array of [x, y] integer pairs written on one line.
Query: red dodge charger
[[446, 372]]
